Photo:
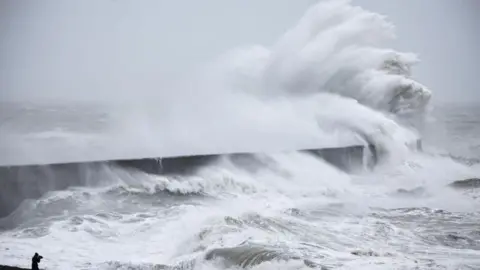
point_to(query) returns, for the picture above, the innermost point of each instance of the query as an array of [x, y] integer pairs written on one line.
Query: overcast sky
[[63, 48]]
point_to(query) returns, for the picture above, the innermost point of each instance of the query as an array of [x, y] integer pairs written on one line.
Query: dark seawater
[[293, 212], [457, 130], [327, 80]]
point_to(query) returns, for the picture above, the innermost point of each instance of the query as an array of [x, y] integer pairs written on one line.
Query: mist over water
[[255, 98], [327, 81]]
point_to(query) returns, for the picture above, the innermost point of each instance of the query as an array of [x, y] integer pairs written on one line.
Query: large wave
[[326, 81], [335, 48], [329, 69]]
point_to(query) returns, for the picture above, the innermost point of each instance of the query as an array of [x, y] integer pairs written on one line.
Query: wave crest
[[334, 49]]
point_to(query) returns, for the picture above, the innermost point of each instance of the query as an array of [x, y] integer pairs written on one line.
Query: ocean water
[[327, 81]]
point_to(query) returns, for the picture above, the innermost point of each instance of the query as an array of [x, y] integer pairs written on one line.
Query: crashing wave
[[333, 49]]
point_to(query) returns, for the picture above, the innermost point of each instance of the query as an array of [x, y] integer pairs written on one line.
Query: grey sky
[[77, 49]]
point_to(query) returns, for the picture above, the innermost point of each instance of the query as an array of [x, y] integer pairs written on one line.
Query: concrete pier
[[18, 183]]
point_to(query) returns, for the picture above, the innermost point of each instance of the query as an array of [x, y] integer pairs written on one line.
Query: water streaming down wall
[[32, 181], [361, 90], [329, 61]]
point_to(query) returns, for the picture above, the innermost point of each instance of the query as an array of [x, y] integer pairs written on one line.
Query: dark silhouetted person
[[35, 261]]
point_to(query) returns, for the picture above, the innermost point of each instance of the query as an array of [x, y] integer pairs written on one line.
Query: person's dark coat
[[35, 261]]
